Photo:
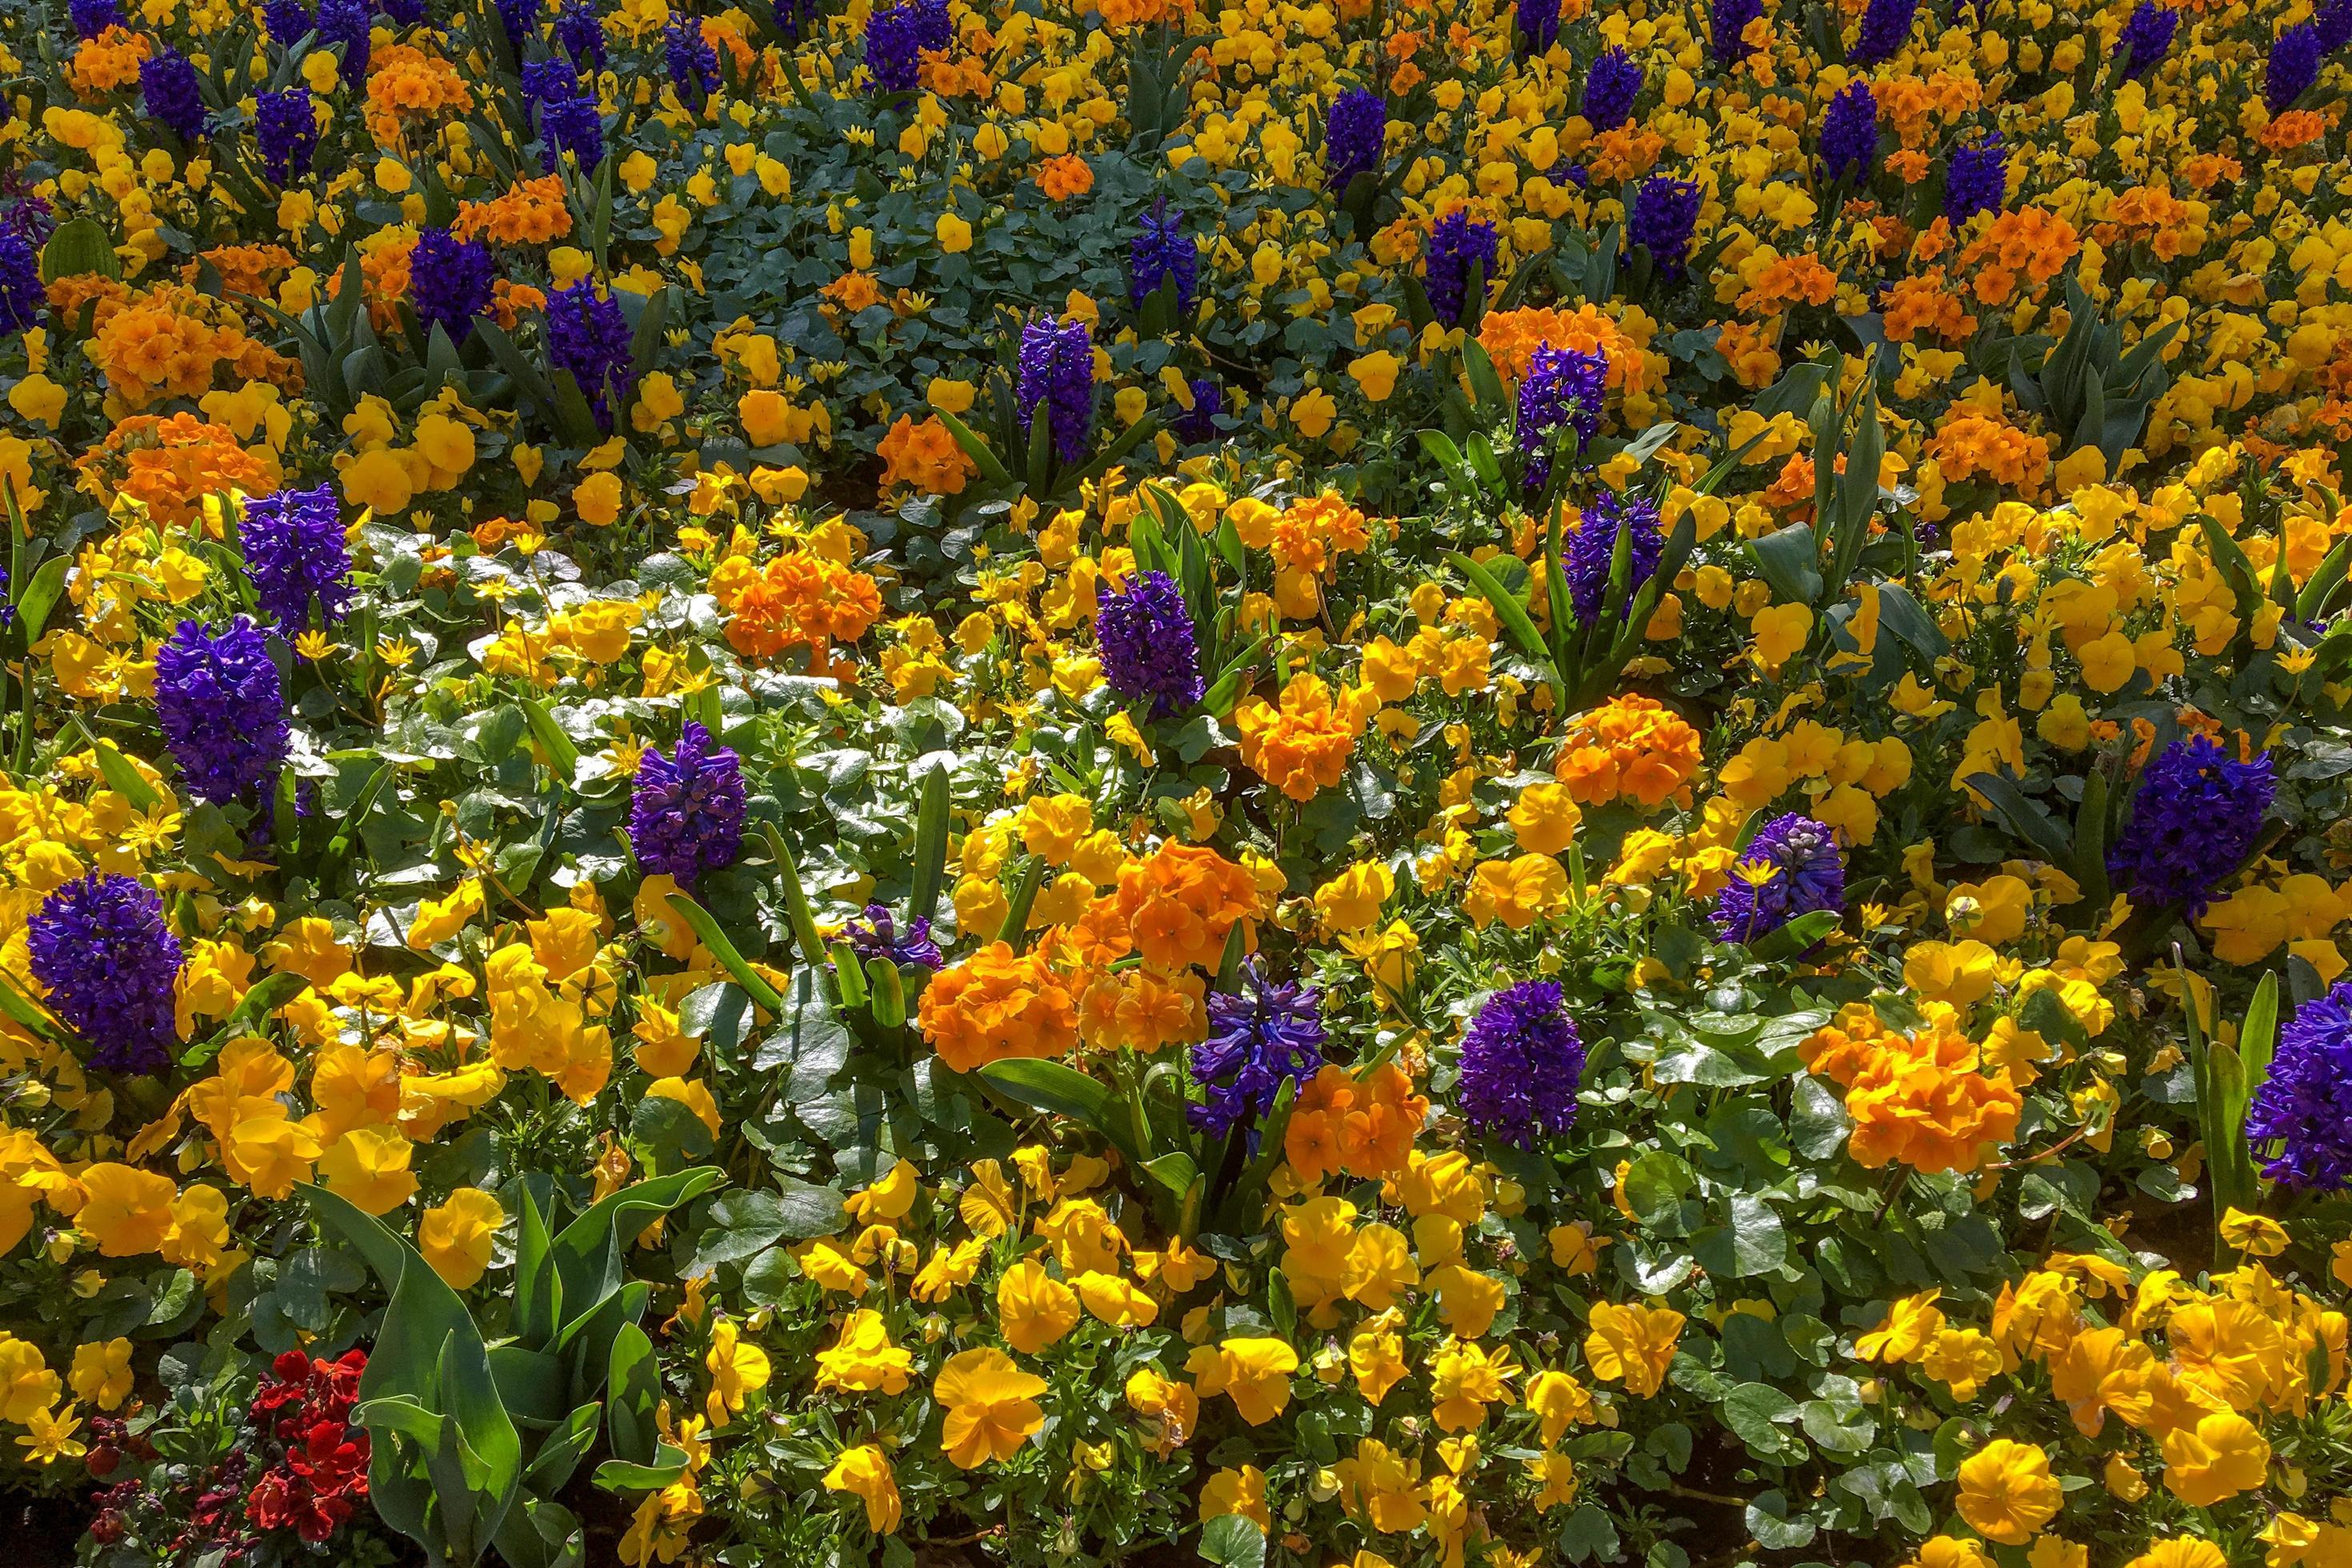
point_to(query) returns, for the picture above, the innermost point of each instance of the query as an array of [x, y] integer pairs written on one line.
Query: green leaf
[[931, 844], [562, 756], [123, 778], [41, 596], [1789, 560], [1232, 1540], [80, 246], [1509, 609], [732, 962]]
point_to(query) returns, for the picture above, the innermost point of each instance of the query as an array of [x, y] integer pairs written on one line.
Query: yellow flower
[[1376, 374], [1962, 1358], [1240, 1492], [991, 1406], [2007, 1492], [953, 234], [1032, 1307], [369, 1169], [1635, 1344], [1351, 901], [101, 1372], [1903, 1334], [2224, 1455], [2254, 1234], [1780, 631], [125, 1210], [1255, 1373], [456, 1236], [737, 1371], [49, 1436], [865, 1472], [863, 1359]]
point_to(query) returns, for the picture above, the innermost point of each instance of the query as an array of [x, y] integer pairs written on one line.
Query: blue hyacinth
[[1522, 1061], [1458, 244], [1149, 647], [1260, 1035], [1564, 387], [2195, 817], [222, 705], [110, 964], [1161, 254], [1792, 867], [1850, 134], [1355, 136], [2300, 1122], [297, 556], [1610, 89], [1057, 374], [686, 817]]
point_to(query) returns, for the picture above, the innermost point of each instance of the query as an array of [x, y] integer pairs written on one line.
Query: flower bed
[[989, 783]]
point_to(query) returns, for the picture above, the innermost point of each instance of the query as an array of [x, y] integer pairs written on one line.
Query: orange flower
[[1065, 177], [170, 464], [1629, 748], [926, 456], [1363, 1128], [1180, 902], [408, 87], [998, 1003], [107, 63], [1304, 744], [1918, 1097], [1972, 444], [1511, 338], [799, 599], [530, 212]]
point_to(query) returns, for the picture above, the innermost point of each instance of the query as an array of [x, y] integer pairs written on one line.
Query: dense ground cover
[[1386, 785]]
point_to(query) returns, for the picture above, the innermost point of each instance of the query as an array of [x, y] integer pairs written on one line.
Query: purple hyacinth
[[797, 19], [1148, 645], [1591, 552], [579, 33], [588, 334], [1521, 1062], [894, 48], [285, 21], [2333, 22], [2194, 819], [2294, 67], [1057, 370], [1727, 30], [1457, 243], [348, 23], [934, 28], [1563, 387], [99, 945], [1976, 181], [1161, 254], [1535, 26], [876, 935], [686, 815], [223, 709], [544, 82], [172, 95], [693, 63], [1199, 423], [91, 18], [22, 297], [1792, 867], [1610, 89], [1355, 136], [2147, 39], [286, 132], [2300, 1122], [403, 13], [1259, 1036], [450, 281], [573, 125], [520, 19], [1664, 216], [1885, 28], [1850, 134], [296, 554]]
